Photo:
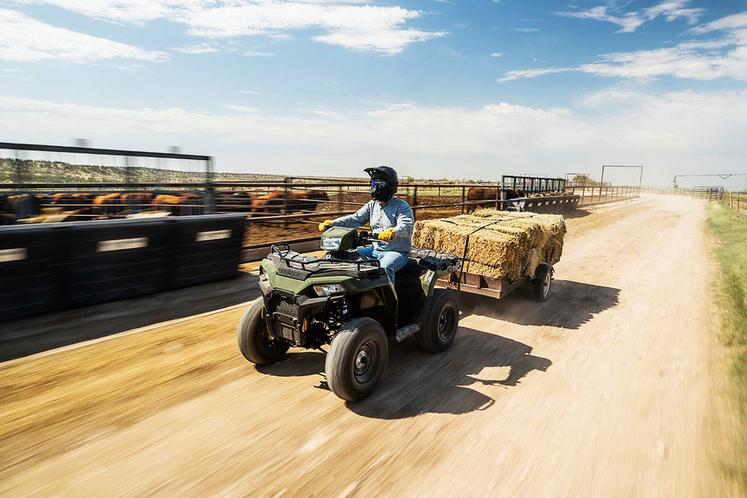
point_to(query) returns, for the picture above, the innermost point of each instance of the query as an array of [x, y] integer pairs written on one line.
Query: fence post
[[415, 195], [209, 187], [463, 192], [285, 204]]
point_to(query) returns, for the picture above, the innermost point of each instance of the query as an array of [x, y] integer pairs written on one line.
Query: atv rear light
[[328, 289]]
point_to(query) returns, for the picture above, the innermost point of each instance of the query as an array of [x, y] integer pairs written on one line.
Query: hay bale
[[496, 244]]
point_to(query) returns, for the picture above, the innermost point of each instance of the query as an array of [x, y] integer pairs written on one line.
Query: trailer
[[471, 283], [536, 194]]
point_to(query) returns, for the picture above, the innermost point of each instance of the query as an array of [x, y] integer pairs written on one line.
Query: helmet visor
[[377, 185]]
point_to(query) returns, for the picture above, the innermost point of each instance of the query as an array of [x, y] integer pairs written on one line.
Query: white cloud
[[678, 131], [386, 41], [733, 22], [496, 54], [349, 23], [723, 57], [201, 48], [23, 38], [628, 22], [249, 92], [671, 10], [257, 53], [533, 73]]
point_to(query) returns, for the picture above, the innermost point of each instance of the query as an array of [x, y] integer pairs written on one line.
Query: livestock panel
[[207, 248], [30, 271], [117, 259]]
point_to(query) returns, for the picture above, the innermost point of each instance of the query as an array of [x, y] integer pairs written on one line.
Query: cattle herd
[[67, 206]]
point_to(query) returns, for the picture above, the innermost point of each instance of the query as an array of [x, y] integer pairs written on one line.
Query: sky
[[459, 89]]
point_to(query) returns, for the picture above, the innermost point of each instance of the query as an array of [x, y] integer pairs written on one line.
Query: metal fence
[[604, 193], [281, 208]]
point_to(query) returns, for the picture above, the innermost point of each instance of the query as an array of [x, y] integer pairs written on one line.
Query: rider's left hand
[[387, 234]]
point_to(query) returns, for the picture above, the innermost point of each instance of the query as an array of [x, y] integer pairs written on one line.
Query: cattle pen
[[46, 183]]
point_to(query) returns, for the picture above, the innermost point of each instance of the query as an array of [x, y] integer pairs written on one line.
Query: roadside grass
[[730, 228]]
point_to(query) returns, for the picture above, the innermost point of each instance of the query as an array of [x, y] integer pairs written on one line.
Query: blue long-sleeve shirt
[[394, 214]]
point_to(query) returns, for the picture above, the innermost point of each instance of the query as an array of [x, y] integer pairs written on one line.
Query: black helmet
[[384, 182]]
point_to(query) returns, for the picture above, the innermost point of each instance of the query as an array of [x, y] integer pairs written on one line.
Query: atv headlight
[[328, 289], [331, 243]]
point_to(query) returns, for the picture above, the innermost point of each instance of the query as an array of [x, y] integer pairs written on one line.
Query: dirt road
[[607, 389]]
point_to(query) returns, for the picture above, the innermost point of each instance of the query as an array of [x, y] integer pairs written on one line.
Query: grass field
[[730, 229]]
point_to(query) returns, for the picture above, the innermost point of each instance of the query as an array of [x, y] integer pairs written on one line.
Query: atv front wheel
[[254, 340], [440, 323], [357, 358]]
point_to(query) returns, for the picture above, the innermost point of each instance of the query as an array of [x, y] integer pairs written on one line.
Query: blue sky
[[457, 89]]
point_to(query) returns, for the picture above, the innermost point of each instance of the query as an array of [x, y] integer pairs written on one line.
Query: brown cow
[[275, 202], [134, 202], [180, 205], [306, 201], [478, 194], [108, 204], [234, 201], [71, 199], [271, 203]]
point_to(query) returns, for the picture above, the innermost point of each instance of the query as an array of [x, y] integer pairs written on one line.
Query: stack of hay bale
[[496, 244]]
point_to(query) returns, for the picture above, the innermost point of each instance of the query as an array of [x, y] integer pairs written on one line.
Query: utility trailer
[[461, 281], [536, 194]]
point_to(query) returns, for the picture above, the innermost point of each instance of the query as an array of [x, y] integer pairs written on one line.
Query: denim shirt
[[394, 214]]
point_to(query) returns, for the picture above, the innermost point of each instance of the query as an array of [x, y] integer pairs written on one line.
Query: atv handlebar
[[367, 237]]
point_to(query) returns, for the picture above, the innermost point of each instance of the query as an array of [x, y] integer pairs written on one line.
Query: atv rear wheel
[[357, 358], [440, 323], [254, 340]]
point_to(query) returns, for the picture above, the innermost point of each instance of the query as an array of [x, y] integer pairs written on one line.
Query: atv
[[346, 300]]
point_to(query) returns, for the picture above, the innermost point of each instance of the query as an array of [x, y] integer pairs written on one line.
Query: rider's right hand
[[325, 225]]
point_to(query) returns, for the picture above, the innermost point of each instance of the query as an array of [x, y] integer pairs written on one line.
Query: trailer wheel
[[441, 322], [357, 358], [254, 341], [542, 283]]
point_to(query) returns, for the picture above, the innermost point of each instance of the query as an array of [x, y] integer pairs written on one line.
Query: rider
[[390, 217]]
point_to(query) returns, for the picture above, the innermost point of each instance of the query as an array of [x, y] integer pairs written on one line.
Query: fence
[[603, 193], [277, 210], [733, 200], [50, 267]]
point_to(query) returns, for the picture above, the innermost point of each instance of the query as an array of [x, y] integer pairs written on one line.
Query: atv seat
[[412, 269]]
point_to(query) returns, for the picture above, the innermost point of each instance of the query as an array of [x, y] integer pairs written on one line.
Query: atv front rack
[[301, 267]]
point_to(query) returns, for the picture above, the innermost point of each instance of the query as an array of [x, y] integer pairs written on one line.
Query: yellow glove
[[325, 225], [387, 235]]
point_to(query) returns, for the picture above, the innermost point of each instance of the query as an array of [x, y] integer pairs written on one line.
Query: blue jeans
[[391, 261]]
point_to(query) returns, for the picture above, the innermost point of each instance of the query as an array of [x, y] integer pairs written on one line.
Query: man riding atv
[[390, 217]]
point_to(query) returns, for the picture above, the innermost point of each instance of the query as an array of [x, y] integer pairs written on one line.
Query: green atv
[[346, 300]]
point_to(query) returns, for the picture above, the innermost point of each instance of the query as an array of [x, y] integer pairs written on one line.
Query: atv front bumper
[[289, 316]]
